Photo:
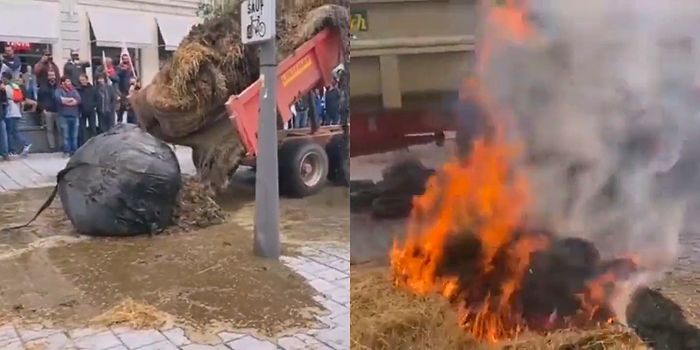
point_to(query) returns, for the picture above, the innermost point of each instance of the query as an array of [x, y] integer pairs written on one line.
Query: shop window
[[28, 53], [113, 52]]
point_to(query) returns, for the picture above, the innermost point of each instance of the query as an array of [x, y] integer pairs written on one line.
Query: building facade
[[150, 29], [407, 51]]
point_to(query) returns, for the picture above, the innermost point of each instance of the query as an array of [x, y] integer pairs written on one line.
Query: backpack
[[17, 93]]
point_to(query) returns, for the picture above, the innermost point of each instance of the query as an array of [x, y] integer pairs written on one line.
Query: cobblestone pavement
[[326, 267], [39, 170]]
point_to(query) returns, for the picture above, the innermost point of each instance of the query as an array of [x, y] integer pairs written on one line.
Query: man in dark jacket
[[69, 112], [333, 104], [75, 67], [88, 106], [107, 100], [43, 67], [49, 107]]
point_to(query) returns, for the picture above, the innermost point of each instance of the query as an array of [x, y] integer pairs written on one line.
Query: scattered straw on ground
[[196, 207], [384, 317], [132, 314]]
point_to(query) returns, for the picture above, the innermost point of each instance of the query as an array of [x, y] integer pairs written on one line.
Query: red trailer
[[307, 156]]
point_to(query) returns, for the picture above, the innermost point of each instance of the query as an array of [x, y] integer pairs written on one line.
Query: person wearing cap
[[75, 67], [43, 67]]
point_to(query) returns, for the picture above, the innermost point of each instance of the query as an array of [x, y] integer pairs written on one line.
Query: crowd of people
[[327, 107], [72, 109]]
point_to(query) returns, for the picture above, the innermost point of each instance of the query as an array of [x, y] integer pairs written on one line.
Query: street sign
[[358, 21], [258, 26], [257, 21]]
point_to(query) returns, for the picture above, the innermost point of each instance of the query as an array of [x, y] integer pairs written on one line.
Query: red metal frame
[[310, 65], [388, 130]]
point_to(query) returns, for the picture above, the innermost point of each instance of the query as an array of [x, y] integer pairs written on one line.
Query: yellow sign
[[358, 21], [296, 70]]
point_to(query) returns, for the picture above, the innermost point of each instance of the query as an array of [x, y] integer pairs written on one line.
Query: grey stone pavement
[[326, 267]]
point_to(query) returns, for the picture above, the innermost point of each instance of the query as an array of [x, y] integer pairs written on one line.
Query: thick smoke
[[604, 98]]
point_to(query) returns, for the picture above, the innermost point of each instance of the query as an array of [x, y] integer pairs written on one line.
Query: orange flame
[[482, 199]]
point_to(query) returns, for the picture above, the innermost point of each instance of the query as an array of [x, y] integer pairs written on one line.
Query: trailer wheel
[[338, 161], [303, 167]]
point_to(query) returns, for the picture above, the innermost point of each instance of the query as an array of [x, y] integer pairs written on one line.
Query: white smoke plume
[[605, 101]]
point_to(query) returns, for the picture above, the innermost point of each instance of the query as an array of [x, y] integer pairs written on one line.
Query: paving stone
[[339, 295], [164, 345], [312, 343], [331, 275], [120, 330], [99, 341], [307, 276], [312, 267], [321, 285], [338, 338], [118, 347], [8, 334], [30, 334], [342, 320], [82, 332], [342, 253], [56, 341], [229, 336], [205, 347], [291, 343], [177, 336], [332, 306], [249, 343], [15, 345], [340, 265], [136, 339], [344, 283]]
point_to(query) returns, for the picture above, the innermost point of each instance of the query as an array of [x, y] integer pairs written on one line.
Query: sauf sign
[[257, 20], [358, 21]]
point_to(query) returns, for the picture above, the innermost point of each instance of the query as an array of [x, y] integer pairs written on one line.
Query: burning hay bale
[[184, 104], [134, 315], [393, 196], [384, 317]]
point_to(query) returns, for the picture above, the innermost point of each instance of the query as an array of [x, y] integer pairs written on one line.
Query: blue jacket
[[68, 111]]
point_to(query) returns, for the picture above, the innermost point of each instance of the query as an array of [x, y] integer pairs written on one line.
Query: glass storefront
[[112, 52], [28, 53]]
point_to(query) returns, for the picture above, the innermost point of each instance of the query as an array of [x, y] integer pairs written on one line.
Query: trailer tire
[[303, 168], [338, 161]]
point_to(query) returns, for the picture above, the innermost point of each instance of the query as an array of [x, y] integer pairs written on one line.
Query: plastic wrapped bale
[[121, 183]]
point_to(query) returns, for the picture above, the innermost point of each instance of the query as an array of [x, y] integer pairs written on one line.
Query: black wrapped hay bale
[[124, 182]]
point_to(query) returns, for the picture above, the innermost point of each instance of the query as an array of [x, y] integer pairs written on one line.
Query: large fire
[[469, 240]]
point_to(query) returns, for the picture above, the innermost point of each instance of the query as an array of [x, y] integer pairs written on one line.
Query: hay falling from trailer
[[184, 104]]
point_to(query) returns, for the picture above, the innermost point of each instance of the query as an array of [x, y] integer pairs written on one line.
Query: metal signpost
[[258, 27]]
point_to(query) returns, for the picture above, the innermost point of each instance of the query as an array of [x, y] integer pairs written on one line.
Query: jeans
[[14, 137], [88, 127], [53, 128], [69, 127], [4, 150], [301, 120]]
